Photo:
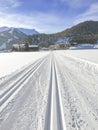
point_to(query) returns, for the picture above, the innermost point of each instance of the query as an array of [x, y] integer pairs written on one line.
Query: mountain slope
[[23, 30], [86, 32], [85, 28], [28, 31], [10, 36]]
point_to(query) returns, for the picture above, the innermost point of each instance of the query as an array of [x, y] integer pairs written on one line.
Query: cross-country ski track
[[56, 92]]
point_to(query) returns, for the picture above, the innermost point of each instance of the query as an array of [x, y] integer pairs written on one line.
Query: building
[[22, 47], [18, 47], [33, 48]]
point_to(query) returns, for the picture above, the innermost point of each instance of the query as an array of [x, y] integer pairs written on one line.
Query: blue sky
[[47, 16]]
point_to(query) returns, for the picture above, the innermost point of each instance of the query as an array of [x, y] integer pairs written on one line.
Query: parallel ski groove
[[16, 80], [54, 116], [62, 118], [17, 85]]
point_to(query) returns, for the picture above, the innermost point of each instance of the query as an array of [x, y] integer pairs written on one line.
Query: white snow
[[9, 40], [96, 46], [63, 40], [11, 30], [10, 62], [3, 46], [2, 29], [32, 109], [16, 37], [78, 80], [62, 94], [28, 31], [85, 46], [89, 55]]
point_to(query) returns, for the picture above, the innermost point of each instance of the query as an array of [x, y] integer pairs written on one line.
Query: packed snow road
[[56, 92]]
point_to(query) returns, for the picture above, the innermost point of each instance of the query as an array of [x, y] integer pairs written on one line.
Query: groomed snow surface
[[11, 62], [55, 90]]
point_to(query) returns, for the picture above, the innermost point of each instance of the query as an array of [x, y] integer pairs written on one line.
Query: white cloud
[[47, 23], [89, 14], [5, 4]]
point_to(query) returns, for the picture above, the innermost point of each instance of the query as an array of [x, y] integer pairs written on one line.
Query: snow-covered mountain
[[2, 29], [11, 35], [28, 31], [23, 30]]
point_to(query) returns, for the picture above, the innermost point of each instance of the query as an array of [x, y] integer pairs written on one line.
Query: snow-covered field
[[89, 55], [56, 90], [11, 62]]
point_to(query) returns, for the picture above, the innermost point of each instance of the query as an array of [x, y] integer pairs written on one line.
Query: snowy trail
[[79, 86], [57, 92], [26, 109], [54, 116], [14, 87]]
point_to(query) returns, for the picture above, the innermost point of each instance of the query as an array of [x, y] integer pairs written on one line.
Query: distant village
[[25, 47], [58, 45]]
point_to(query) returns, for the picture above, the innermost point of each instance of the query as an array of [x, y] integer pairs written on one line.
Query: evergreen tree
[[26, 46]]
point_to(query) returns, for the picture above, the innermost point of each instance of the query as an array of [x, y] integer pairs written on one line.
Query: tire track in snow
[[54, 116]]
